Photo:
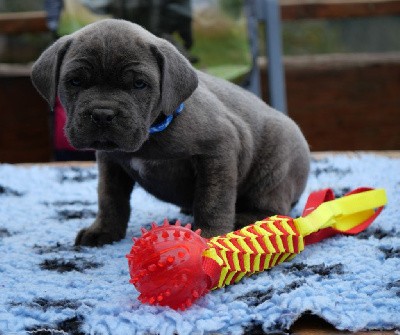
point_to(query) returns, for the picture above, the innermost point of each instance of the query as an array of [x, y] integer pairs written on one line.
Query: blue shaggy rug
[[49, 286]]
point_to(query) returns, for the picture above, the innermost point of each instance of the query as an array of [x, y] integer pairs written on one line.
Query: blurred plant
[[221, 43], [233, 8], [75, 16]]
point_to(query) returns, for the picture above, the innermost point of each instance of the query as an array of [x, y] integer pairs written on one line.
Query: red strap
[[60, 119], [317, 198]]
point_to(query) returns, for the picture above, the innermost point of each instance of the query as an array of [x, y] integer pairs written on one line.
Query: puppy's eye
[[75, 82], [139, 84]]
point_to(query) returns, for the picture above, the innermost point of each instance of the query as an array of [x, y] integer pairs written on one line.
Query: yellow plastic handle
[[342, 214]]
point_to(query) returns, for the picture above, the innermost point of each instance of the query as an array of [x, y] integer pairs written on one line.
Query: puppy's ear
[[46, 70], [178, 77]]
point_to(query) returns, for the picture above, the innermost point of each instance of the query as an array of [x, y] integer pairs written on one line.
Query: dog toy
[[171, 265]]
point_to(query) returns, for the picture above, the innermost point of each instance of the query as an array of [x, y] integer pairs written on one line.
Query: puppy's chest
[[138, 166], [161, 169]]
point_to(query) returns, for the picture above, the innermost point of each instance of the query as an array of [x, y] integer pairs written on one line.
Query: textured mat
[[48, 286]]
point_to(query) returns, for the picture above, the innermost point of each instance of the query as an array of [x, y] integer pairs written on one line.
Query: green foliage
[[69, 24], [233, 8], [222, 45]]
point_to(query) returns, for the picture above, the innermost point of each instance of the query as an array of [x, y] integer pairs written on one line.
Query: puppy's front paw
[[96, 238]]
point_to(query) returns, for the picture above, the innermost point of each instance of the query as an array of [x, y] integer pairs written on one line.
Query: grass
[[221, 44], [75, 16]]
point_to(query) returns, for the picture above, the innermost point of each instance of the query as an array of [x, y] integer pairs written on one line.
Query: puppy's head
[[114, 80]]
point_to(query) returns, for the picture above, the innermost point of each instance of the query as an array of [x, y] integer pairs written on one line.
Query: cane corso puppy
[[188, 138]]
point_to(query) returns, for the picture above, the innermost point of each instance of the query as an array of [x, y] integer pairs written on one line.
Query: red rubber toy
[[166, 265], [173, 266]]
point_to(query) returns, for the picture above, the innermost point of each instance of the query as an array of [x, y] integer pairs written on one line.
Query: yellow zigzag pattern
[[254, 248]]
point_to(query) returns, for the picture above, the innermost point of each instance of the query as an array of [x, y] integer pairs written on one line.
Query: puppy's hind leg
[[260, 207], [273, 192], [243, 219]]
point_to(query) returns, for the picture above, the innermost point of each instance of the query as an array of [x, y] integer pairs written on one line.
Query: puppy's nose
[[103, 116]]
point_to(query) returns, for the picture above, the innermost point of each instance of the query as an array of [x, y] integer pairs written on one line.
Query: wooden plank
[[310, 324], [344, 102], [23, 22], [337, 9], [15, 70], [317, 155]]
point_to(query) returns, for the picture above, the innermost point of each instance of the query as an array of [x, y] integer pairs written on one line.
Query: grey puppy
[[228, 158]]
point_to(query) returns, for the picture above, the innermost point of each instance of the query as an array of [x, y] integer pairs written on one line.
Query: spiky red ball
[[165, 265]]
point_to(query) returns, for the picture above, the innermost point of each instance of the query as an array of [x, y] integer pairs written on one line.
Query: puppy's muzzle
[[102, 117]]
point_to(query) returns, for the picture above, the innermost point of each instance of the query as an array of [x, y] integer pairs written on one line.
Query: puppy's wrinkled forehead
[[111, 45]]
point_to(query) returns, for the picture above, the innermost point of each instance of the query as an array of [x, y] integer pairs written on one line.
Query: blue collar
[[164, 124]]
